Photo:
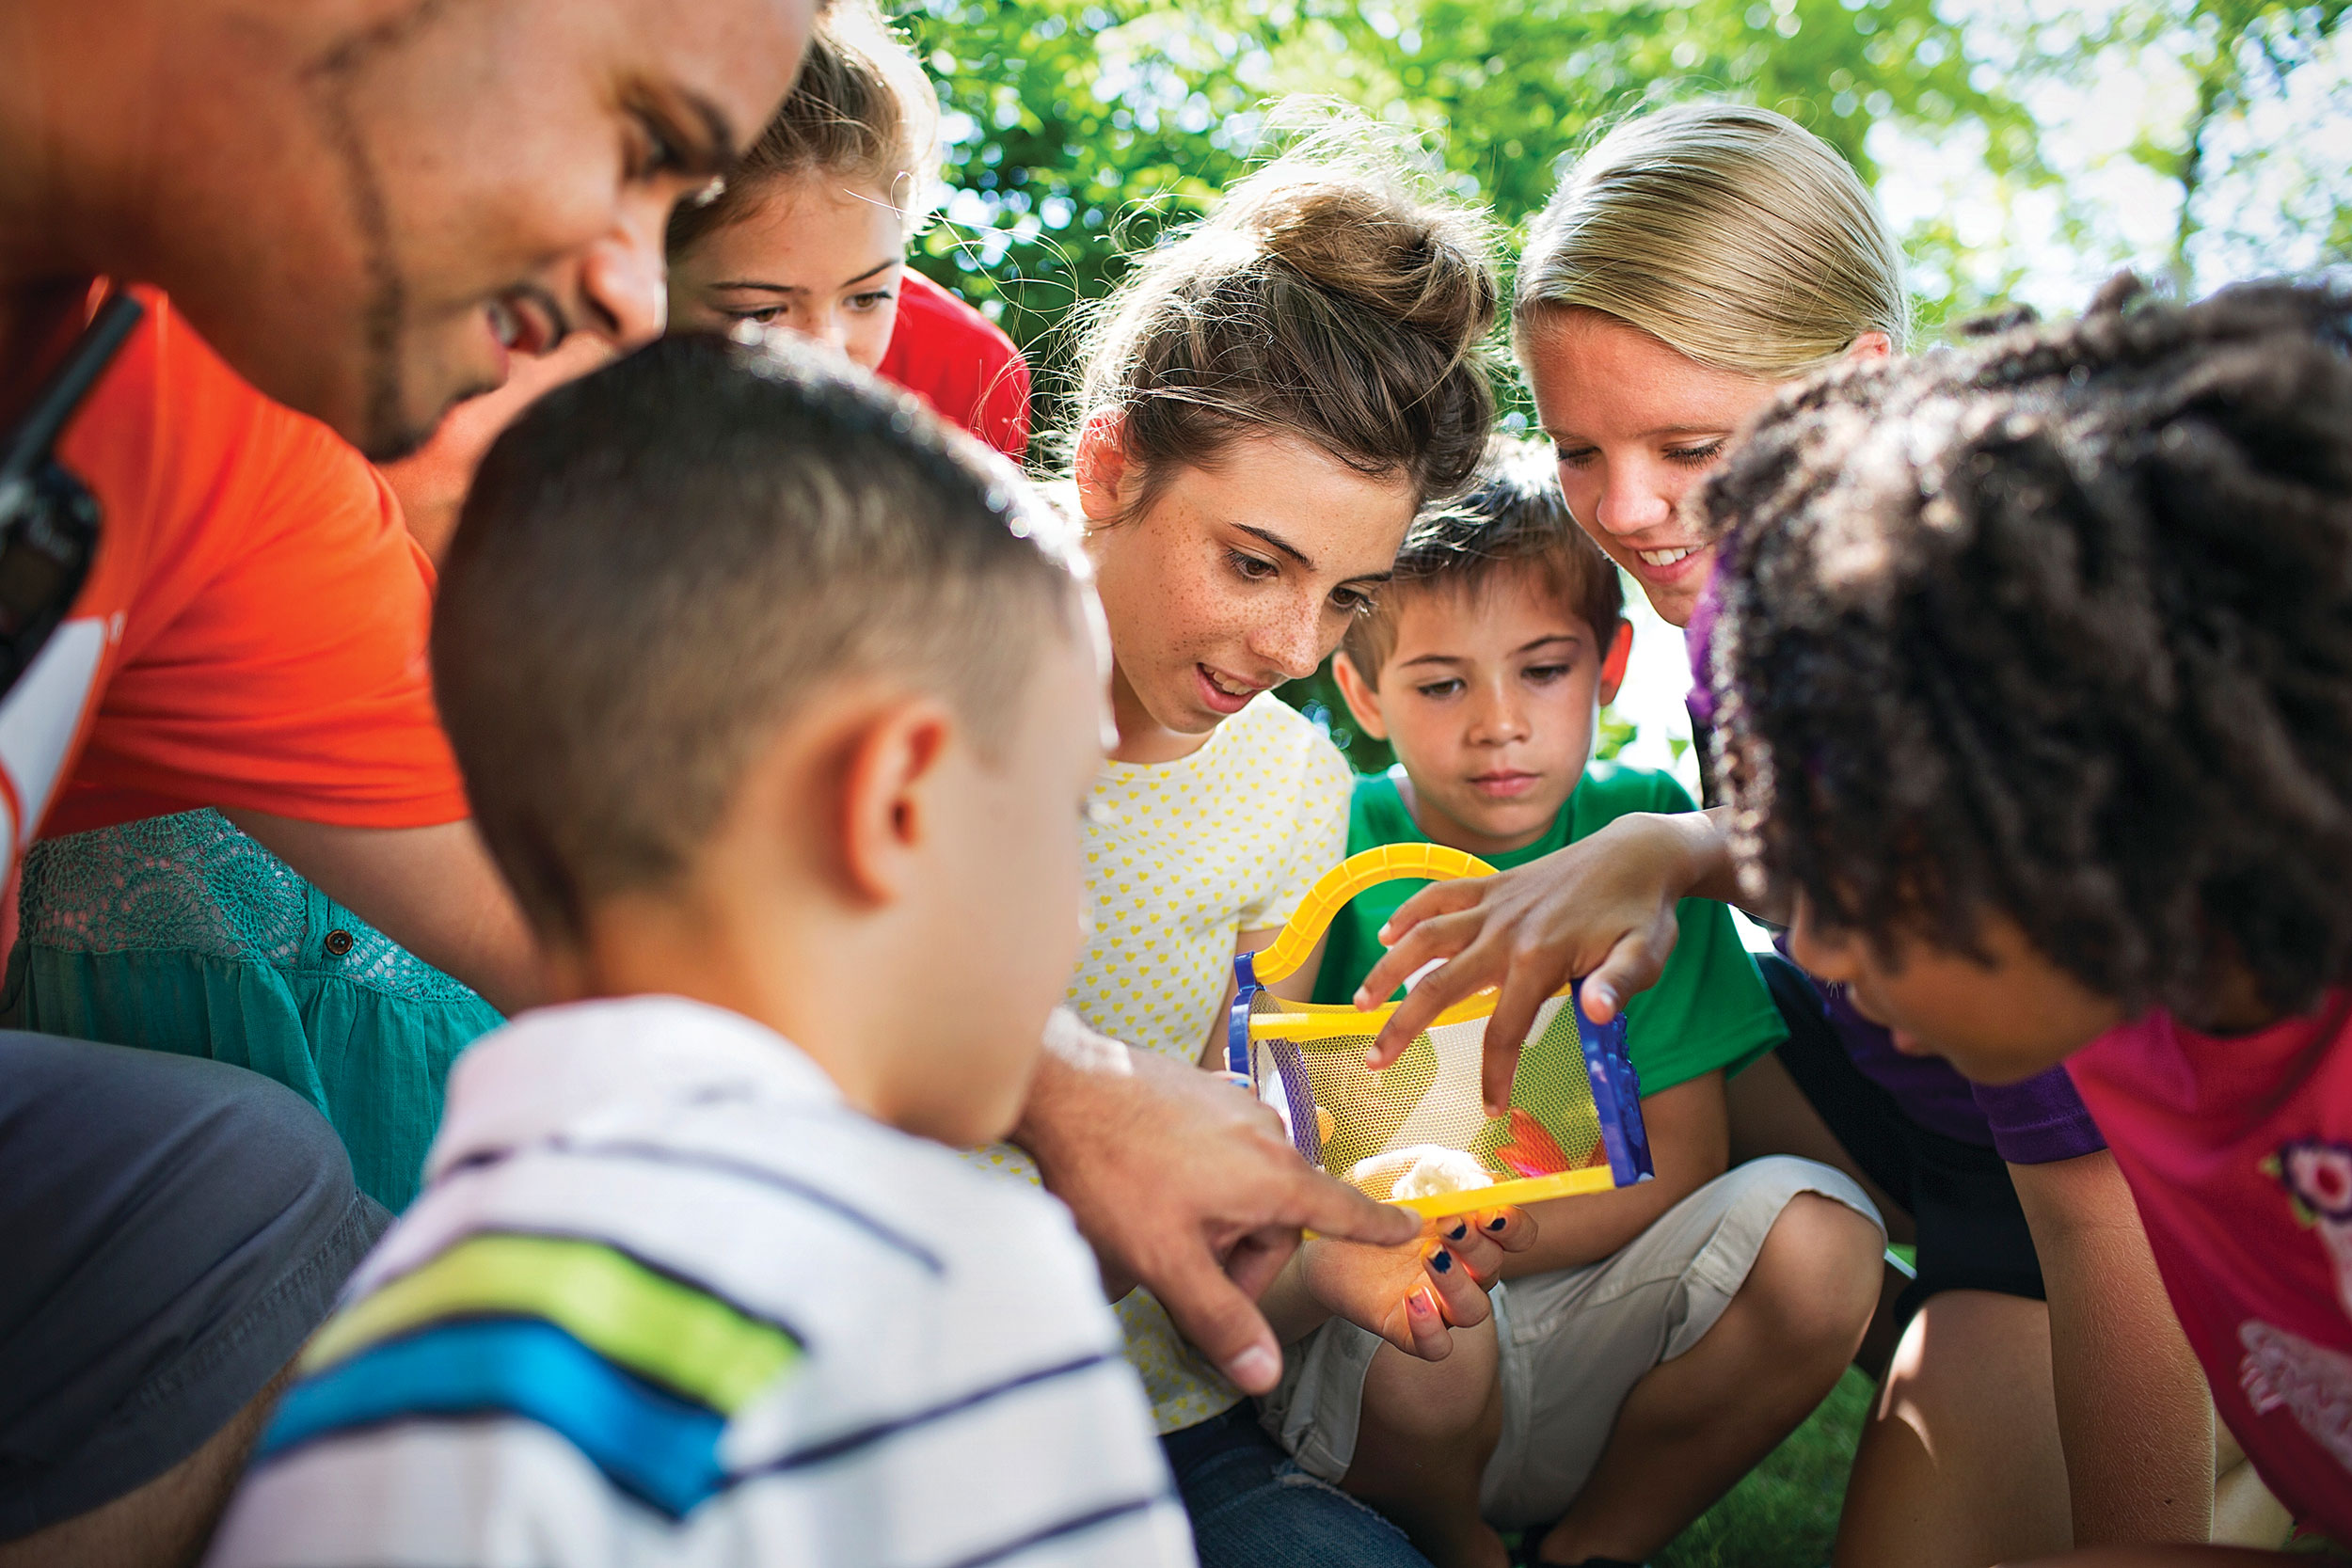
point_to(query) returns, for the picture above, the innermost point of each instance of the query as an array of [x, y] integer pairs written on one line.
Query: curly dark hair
[[2059, 626]]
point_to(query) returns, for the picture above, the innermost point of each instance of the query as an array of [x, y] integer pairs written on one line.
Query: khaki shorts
[[1573, 1343]]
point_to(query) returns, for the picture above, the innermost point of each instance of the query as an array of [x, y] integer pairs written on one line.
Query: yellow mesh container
[[1416, 1132]]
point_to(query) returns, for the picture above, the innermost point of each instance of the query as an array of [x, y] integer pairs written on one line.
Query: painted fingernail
[[1442, 1261], [1460, 1230], [1418, 1303], [1496, 1222]]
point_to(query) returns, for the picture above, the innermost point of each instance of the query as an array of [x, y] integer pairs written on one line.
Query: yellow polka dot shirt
[[1182, 857]]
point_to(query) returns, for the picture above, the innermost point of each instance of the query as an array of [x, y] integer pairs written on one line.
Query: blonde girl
[[810, 232], [1695, 261]]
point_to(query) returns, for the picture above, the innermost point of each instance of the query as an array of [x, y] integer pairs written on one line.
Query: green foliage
[[2233, 55], [1078, 129]]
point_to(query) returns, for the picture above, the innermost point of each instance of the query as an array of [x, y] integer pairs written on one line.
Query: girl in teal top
[[180, 933]]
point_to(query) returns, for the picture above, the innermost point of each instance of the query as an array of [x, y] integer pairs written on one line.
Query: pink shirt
[[2239, 1153]]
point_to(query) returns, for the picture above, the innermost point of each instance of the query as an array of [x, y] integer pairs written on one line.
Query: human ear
[[1614, 662], [1870, 345], [1102, 470], [1362, 699], [889, 800]]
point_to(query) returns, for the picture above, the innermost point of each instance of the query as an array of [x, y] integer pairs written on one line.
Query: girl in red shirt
[[810, 234]]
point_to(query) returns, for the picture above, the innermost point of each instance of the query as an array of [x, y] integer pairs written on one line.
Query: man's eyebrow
[[721, 148], [1432, 659], [701, 136], [1547, 641]]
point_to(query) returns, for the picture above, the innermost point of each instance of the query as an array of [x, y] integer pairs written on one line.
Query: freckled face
[[1636, 426], [812, 255], [1998, 1021], [1232, 579]]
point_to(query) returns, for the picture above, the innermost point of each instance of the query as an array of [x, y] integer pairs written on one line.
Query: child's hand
[[1603, 908], [1413, 1297]]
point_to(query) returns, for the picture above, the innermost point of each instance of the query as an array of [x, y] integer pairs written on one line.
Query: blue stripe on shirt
[[648, 1442]]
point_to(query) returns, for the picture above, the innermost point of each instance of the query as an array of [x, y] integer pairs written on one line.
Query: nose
[[1631, 499], [1498, 718], [828, 326], [624, 279], [1293, 644]]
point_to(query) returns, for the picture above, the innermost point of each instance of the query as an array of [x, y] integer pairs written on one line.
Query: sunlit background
[[2024, 153]]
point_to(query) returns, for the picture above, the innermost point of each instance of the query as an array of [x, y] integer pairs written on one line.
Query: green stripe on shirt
[[657, 1327]]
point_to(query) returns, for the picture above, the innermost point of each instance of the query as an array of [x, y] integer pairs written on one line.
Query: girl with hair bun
[[1266, 401], [809, 232], [1695, 261]]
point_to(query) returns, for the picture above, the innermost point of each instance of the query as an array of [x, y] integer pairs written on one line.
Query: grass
[[1784, 1512]]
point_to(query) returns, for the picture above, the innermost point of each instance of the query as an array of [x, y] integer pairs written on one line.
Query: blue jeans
[[1253, 1506]]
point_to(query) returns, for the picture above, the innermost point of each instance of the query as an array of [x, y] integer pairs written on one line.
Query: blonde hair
[[862, 111], [1325, 298], [1732, 234]]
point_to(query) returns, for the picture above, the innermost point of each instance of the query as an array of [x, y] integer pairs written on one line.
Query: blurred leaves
[[2023, 152], [1078, 128]]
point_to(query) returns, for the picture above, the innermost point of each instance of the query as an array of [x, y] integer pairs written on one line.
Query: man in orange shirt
[[367, 203]]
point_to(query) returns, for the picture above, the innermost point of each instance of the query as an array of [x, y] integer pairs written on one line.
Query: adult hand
[[1414, 1296], [1188, 1185], [1602, 909]]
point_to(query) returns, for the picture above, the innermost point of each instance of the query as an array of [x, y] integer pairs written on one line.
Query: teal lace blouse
[[180, 933]]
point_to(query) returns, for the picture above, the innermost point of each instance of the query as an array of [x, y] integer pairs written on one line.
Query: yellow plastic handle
[[1388, 863]]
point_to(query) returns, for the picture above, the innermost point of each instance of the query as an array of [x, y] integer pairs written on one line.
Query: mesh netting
[[1417, 1131]]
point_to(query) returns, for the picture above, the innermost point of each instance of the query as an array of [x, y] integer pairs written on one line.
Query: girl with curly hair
[[2036, 685]]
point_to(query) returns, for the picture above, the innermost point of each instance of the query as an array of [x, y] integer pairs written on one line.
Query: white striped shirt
[[666, 1299]]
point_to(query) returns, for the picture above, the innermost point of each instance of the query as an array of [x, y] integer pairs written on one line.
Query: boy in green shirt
[[1654, 1342]]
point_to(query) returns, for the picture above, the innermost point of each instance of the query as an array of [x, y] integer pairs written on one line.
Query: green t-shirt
[[1709, 1009]]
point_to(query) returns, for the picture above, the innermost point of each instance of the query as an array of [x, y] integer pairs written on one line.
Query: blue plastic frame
[[1616, 1093]]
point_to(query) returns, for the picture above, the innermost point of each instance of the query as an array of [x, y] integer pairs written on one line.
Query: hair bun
[[1326, 296], [1362, 235]]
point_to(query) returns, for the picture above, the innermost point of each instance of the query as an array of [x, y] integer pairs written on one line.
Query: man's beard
[[390, 433]]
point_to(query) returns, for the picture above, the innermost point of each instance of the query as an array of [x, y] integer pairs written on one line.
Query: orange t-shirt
[[252, 633]]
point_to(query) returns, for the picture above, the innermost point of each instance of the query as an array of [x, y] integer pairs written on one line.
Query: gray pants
[[171, 1229], [1573, 1343]]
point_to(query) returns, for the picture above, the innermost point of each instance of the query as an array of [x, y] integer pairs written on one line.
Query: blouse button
[[337, 943]]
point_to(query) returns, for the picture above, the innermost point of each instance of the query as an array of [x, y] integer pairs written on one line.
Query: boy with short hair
[[2035, 670], [777, 706], [1654, 1342]]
